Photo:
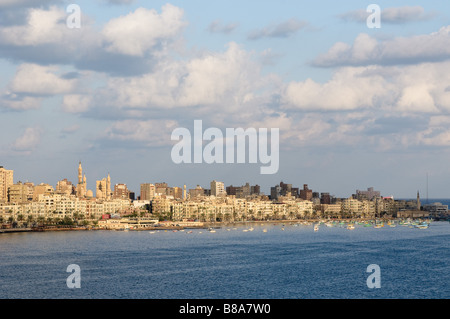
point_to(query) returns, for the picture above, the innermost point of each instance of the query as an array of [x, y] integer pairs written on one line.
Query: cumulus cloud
[[142, 30], [219, 81], [348, 89], [18, 102], [149, 133], [28, 141], [366, 50], [282, 30], [40, 80], [418, 88], [125, 46], [76, 103]]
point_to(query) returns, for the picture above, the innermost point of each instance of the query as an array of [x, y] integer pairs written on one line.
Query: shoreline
[[206, 225]]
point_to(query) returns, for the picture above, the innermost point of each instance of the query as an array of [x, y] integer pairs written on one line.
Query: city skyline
[[356, 106], [82, 187]]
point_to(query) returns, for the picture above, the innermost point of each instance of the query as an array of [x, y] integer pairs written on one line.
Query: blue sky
[[356, 107]]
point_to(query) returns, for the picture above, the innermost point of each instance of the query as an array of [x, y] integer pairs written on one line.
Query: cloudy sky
[[356, 106]]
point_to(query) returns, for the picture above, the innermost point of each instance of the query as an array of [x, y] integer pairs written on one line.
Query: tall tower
[[184, 192], [81, 187], [108, 187], [80, 173], [418, 201]]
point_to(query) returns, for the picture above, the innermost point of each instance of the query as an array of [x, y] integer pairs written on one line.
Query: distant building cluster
[[21, 202]]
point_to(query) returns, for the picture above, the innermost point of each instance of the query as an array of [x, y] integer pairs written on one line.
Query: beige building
[[20, 193], [218, 189], [103, 189], [42, 189], [64, 187], [6, 180], [147, 191]]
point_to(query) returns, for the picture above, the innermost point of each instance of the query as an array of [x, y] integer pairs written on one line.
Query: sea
[[248, 261]]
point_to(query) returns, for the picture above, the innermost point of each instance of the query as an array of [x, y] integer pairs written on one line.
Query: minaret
[[108, 187], [418, 201], [80, 173]]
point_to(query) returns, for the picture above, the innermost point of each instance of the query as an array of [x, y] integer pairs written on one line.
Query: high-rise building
[[147, 191], [306, 193], [42, 189], [64, 187], [6, 180], [19, 193], [121, 192], [368, 194], [218, 189]]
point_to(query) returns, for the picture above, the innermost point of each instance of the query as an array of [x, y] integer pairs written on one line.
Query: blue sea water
[[294, 263]]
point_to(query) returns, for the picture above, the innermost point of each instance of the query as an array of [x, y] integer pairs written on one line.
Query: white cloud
[[76, 103], [140, 31], [281, 30], [146, 133], [366, 50], [219, 81], [28, 141], [348, 89], [40, 80], [15, 102]]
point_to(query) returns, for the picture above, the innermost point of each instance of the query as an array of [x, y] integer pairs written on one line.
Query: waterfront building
[[147, 191], [6, 180], [369, 194], [42, 189], [436, 210], [305, 193], [218, 189], [103, 189], [64, 187], [121, 192], [19, 193]]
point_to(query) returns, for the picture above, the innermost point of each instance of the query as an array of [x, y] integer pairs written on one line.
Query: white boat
[[316, 227], [350, 226]]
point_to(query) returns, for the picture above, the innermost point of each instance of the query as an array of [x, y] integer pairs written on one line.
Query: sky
[[356, 107]]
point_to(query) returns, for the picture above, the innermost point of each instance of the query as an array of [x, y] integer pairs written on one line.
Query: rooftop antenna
[[427, 187]]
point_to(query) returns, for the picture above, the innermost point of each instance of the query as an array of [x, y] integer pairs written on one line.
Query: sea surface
[[270, 262]]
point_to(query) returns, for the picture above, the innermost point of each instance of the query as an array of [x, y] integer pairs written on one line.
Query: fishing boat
[[421, 226], [350, 226], [316, 227]]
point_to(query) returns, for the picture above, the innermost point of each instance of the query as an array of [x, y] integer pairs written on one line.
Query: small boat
[[264, 230], [350, 226], [316, 227]]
